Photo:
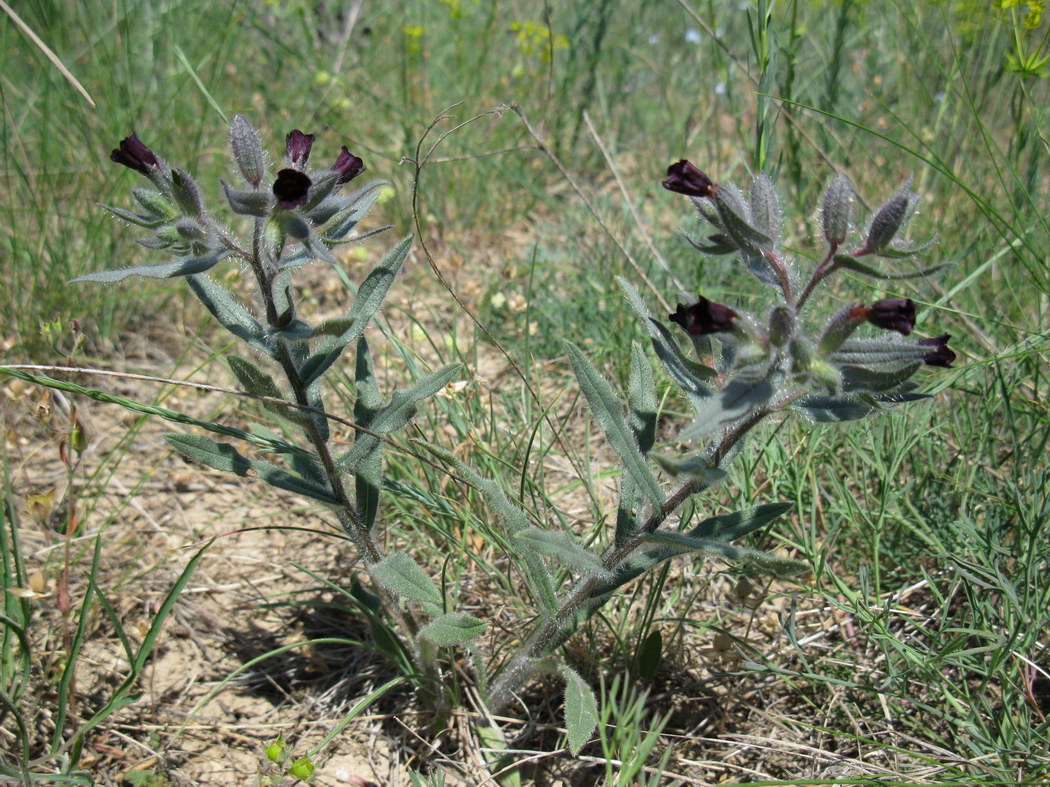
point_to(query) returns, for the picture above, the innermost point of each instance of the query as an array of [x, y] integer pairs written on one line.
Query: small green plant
[[742, 371]]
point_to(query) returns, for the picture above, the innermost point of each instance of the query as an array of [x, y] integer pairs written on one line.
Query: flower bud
[[781, 325], [247, 150], [348, 166], [134, 154], [302, 769], [889, 219], [297, 147], [837, 213], [684, 178], [939, 354], [703, 317], [893, 315]]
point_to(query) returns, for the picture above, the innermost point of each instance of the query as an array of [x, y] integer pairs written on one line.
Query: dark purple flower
[[684, 178], [134, 153], [297, 145], [897, 315], [939, 354], [703, 317], [348, 166], [291, 188]]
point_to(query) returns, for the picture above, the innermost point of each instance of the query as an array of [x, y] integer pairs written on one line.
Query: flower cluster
[[303, 212], [831, 375]]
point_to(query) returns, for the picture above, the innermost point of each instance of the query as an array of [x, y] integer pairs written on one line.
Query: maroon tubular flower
[[348, 166], [291, 188], [134, 154], [297, 146], [893, 315], [939, 354], [703, 317], [684, 178]]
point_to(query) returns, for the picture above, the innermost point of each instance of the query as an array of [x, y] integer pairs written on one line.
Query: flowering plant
[[743, 370]]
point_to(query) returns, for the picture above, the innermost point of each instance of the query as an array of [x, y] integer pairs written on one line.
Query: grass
[[915, 650]]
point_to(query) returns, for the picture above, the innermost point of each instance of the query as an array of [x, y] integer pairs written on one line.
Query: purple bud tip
[[939, 354], [134, 154], [893, 315], [684, 178], [291, 188], [703, 317], [297, 146], [348, 166]]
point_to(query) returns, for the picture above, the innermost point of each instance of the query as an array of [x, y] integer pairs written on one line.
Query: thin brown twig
[[419, 163], [646, 236], [586, 202]]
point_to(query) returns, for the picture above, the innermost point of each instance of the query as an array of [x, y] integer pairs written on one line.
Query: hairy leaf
[[581, 709], [453, 628], [403, 577], [182, 266], [608, 412], [563, 546]]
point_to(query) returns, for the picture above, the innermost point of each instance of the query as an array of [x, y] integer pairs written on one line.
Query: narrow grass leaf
[[453, 628], [564, 547], [608, 412], [402, 576], [581, 709]]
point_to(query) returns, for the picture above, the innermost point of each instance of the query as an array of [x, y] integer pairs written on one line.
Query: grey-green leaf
[[563, 546], [248, 203], [369, 298], [608, 412], [453, 628], [182, 266], [581, 709], [855, 265], [402, 576], [641, 399], [739, 398], [230, 314], [220, 456]]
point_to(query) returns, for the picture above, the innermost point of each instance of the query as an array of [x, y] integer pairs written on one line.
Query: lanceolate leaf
[[724, 527], [581, 709], [369, 298], [608, 412], [230, 314], [728, 527], [737, 399], [667, 349], [453, 628], [368, 471], [515, 521], [396, 413], [183, 266], [862, 352], [563, 546], [641, 399], [845, 261], [401, 575], [224, 457], [753, 557]]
